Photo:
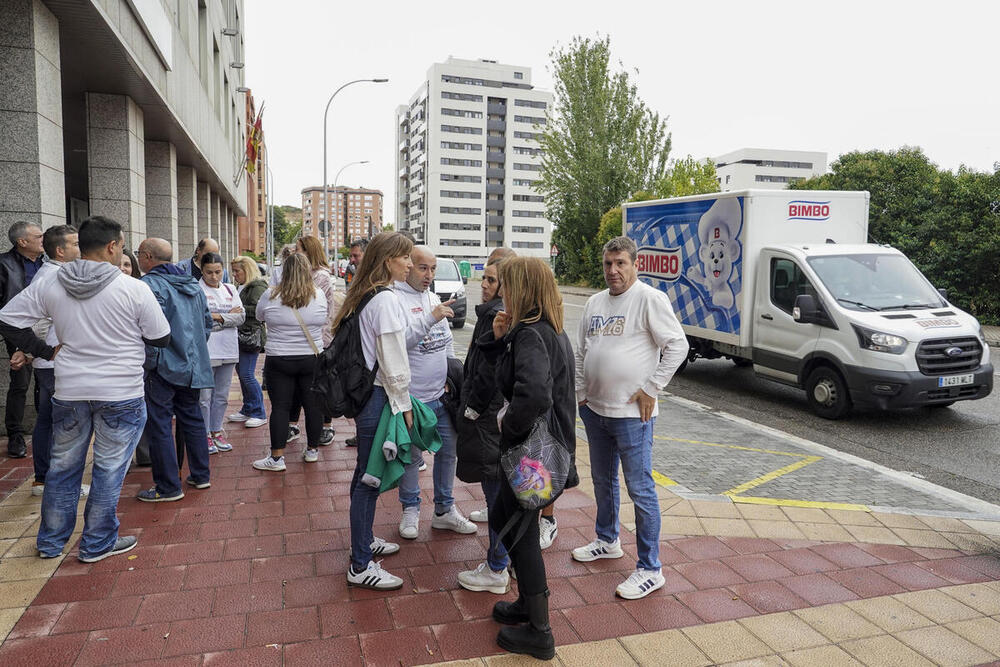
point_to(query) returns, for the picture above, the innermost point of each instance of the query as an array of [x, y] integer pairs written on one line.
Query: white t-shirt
[[47, 273], [627, 342], [102, 350], [429, 343], [285, 337], [383, 315], [223, 343]]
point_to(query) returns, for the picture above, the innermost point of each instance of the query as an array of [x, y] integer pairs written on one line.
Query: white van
[[785, 281]]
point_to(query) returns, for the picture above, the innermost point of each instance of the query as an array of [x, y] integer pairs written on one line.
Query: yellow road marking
[[774, 474], [817, 504], [662, 479], [739, 447]]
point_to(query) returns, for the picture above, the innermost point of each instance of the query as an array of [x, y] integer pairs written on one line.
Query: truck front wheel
[[827, 393]]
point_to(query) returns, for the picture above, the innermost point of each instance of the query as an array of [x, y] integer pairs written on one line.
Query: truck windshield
[[447, 270], [875, 282]]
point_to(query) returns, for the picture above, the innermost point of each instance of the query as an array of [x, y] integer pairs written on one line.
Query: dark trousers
[[17, 396], [163, 402], [288, 379], [41, 438], [526, 555]]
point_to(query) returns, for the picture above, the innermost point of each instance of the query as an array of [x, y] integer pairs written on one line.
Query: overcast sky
[[805, 75]]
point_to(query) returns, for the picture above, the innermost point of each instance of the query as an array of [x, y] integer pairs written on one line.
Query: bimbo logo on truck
[[659, 263], [808, 210]]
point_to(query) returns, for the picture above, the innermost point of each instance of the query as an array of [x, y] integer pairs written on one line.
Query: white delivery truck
[[786, 281]]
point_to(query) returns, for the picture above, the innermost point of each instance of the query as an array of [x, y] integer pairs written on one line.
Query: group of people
[[131, 355]]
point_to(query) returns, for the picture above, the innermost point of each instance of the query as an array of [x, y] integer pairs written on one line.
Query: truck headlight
[[982, 338], [878, 341]]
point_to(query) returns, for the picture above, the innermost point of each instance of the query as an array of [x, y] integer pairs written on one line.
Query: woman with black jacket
[[251, 286], [479, 435], [535, 374]]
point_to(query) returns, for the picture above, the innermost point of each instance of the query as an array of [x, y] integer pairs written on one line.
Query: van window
[[788, 282], [447, 270]]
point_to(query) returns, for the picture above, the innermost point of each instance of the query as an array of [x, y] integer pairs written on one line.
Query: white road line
[[980, 507]]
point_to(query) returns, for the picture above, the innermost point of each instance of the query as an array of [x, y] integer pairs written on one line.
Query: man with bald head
[[176, 374], [192, 265], [429, 345]]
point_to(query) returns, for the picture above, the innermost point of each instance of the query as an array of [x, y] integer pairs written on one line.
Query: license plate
[[956, 380]]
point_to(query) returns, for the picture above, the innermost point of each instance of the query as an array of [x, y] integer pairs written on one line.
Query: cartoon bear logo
[[719, 251]]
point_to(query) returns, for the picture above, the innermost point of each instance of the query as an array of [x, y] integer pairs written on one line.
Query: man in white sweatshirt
[[629, 346], [429, 345]]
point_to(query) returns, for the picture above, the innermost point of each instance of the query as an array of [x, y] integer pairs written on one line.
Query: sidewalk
[[251, 571]]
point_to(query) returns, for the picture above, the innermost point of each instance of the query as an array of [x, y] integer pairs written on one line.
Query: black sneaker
[[16, 449], [327, 436], [293, 432], [123, 544], [351, 442], [198, 485]]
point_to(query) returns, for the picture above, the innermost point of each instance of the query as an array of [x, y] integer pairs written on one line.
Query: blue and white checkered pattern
[[691, 302]]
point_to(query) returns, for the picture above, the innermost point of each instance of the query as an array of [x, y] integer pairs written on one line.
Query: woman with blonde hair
[[295, 314], [535, 373], [382, 324], [250, 285]]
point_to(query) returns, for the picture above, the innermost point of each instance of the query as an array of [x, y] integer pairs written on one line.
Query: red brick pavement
[[251, 571]]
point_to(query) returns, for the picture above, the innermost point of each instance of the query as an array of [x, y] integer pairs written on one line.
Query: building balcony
[[496, 141], [494, 188], [496, 156], [498, 125], [494, 172], [496, 109], [494, 220], [494, 236], [494, 204]]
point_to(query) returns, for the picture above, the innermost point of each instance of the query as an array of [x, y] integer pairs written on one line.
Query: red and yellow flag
[[254, 138]]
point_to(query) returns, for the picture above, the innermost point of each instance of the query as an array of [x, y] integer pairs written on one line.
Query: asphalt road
[[957, 447]]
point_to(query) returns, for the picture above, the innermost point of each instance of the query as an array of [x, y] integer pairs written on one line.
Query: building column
[[31, 126], [203, 211], [116, 156], [234, 242], [161, 192], [187, 210], [224, 232], [215, 227]]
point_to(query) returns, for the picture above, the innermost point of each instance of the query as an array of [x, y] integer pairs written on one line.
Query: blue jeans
[[214, 400], [115, 426], [164, 401], [630, 441], [253, 397], [445, 461], [364, 497], [41, 439], [496, 557]]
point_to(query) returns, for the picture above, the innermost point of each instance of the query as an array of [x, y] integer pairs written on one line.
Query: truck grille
[[932, 360]]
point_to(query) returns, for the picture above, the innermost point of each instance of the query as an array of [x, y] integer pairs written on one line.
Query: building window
[[527, 214], [518, 75], [455, 145], [520, 166], [518, 229], [461, 210], [527, 244], [461, 129], [523, 150], [524, 181], [456, 162], [534, 120], [459, 194], [461, 113], [461, 226], [527, 135], [763, 178], [534, 198], [530, 103], [460, 96], [461, 179]]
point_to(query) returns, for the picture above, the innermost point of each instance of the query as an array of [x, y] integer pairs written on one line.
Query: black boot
[[535, 637], [510, 613]]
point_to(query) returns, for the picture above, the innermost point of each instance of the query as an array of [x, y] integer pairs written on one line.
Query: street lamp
[[326, 247], [269, 220], [326, 240]]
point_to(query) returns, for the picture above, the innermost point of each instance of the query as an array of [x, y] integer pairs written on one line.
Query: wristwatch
[[471, 414]]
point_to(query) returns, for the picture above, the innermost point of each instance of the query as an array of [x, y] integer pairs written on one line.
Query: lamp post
[[269, 220], [326, 239], [336, 179]]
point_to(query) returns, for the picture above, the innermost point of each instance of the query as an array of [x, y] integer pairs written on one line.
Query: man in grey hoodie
[[103, 321]]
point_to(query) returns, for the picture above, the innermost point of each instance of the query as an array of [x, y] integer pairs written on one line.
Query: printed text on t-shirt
[[606, 326]]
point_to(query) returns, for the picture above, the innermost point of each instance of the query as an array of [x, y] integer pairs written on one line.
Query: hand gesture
[[646, 404], [18, 360], [501, 325], [236, 309], [408, 418], [443, 310]]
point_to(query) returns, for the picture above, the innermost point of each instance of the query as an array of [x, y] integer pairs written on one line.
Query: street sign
[[554, 251], [324, 226]]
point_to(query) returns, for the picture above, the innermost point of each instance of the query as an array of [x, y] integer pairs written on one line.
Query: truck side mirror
[[805, 310], [465, 280], [943, 292]]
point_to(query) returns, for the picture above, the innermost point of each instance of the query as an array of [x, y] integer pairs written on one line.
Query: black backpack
[[342, 381]]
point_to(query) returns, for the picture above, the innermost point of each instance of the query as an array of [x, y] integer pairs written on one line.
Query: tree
[[388, 227], [601, 143], [947, 223], [687, 177], [285, 231]]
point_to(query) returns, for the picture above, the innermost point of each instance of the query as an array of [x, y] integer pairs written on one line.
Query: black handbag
[[251, 340]]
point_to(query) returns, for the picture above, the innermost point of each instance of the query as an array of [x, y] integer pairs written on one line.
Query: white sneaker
[[547, 531], [382, 548], [237, 417], [423, 466], [310, 455], [483, 579], [326, 437], [373, 577], [453, 520], [479, 516], [267, 463], [640, 584], [254, 422], [39, 489], [598, 549], [409, 523]]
